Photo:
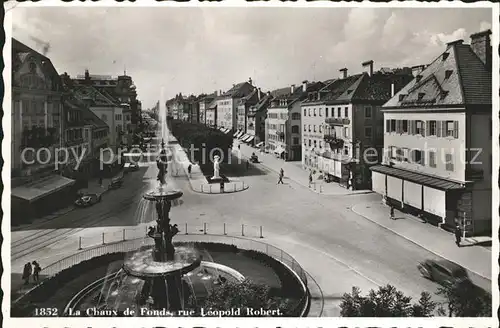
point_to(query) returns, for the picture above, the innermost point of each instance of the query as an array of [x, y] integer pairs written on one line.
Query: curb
[[411, 240]]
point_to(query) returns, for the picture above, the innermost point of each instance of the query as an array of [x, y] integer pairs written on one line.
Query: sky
[[200, 50]]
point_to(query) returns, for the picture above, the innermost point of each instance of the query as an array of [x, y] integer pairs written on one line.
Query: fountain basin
[[142, 265], [162, 194]]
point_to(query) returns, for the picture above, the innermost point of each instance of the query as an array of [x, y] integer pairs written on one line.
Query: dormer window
[[448, 73], [401, 97], [419, 77], [32, 67], [421, 96], [445, 55]]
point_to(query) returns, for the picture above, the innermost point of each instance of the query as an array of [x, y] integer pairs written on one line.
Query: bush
[[465, 300], [387, 301]]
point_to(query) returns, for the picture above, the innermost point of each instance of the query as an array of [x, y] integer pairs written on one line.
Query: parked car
[[443, 272], [116, 183], [131, 167], [86, 200]]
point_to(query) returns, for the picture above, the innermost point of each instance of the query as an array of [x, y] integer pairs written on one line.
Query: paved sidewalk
[[295, 172], [442, 243]]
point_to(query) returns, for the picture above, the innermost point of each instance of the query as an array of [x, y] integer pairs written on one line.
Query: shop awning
[[226, 131], [243, 136], [235, 134], [239, 134], [246, 138], [259, 144], [250, 139], [279, 150], [419, 178], [41, 187]]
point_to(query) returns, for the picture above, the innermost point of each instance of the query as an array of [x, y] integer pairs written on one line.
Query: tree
[[465, 300], [244, 295], [387, 301]]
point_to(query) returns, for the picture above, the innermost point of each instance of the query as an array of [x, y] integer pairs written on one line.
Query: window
[[319, 112], [405, 126], [432, 158], [417, 156], [310, 142], [392, 125], [333, 112], [450, 131], [295, 116], [295, 140], [295, 129], [432, 128], [320, 144], [419, 125], [339, 114], [449, 162], [320, 129], [32, 67], [346, 150], [326, 112], [309, 111], [305, 112], [314, 111], [346, 112], [314, 127], [104, 117], [315, 143], [368, 112], [305, 127], [368, 132], [309, 127], [346, 132]]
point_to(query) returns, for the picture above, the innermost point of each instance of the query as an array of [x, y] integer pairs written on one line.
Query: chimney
[[392, 89], [343, 73], [258, 93], [304, 85], [368, 65], [250, 81], [481, 45], [449, 44], [292, 88]]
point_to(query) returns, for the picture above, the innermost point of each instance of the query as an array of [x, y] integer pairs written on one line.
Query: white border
[[248, 322]]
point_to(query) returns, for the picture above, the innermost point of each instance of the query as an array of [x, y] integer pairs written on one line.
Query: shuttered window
[[455, 130]]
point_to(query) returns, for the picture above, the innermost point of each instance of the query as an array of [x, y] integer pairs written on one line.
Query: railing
[[229, 187], [201, 228], [240, 242]]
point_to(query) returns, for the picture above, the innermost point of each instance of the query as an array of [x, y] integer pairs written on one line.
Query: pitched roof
[[93, 97], [263, 102], [20, 52], [236, 91], [456, 77], [92, 119]]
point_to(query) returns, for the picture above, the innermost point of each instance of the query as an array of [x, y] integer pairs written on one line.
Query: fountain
[[162, 268]]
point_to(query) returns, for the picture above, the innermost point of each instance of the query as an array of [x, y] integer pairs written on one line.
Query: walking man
[[36, 271], [458, 235], [26, 273], [392, 214], [280, 178], [282, 172], [189, 170], [310, 179]]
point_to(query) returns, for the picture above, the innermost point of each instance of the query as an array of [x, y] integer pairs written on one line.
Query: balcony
[[337, 121], [280, 134], [334, 142]]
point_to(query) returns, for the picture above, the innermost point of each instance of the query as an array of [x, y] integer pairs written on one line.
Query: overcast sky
[[194, 50]]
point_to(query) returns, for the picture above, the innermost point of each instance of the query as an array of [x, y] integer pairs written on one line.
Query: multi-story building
[[121, 88], [36, 129], [211, 114], [204, 103], [256, 118], [438, 140], [96, 134], [343, 122], [227, 105], [244, 104], [108, 111], [282, 126]]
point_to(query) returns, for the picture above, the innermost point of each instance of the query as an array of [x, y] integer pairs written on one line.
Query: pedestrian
[[189, 170], [392, 213], [458, 235], [26, 273], [280, 178], [282, 172], [239, 146], [222, 186], [100, 180], [36, 271], [310, 179]]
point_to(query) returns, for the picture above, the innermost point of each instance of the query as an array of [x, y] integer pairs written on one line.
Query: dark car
[[86, 200], [131, 167], [443, 272]]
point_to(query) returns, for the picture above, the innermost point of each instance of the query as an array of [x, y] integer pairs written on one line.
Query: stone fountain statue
[[216, 168]]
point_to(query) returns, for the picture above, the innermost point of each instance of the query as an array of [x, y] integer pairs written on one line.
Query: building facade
[[283, 123], [437, 141], [244, 105], [211, 114], [256, 119], [343, 124], [227, 105]]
